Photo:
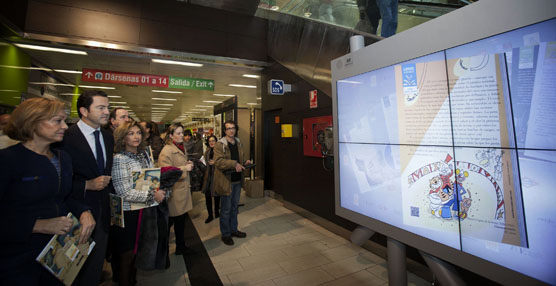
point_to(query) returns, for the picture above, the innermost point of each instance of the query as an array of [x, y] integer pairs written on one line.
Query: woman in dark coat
[[35, 192], [208, 187]]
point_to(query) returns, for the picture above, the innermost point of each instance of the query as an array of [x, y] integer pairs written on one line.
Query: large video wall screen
[[459, 147]]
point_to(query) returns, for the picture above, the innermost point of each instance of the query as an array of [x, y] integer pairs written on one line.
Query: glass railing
[[345, 13]]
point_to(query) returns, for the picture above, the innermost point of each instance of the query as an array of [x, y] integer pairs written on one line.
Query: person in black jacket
[[35, 192], [91, 149], [208, 186]]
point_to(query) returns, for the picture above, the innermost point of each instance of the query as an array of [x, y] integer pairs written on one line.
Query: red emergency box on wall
[[311, 128]]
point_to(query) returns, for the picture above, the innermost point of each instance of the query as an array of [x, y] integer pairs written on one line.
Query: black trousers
[[208, 201], [179, 229]]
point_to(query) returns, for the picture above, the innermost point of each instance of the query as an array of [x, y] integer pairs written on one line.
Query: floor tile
[[228, 267], [304, 249], [361, 278], [341, 252], [263, 260], [380, 270], [314, 276], [347, 266], [254, 276], [301, 263]]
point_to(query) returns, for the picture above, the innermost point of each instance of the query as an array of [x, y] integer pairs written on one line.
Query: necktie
[[100, 155]]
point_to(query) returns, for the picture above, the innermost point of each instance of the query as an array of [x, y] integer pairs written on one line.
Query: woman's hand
[[211, 162], [159, 196], [58, 225], [87, 226], [188, 166]]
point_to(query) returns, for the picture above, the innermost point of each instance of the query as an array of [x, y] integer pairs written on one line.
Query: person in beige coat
[[180, 200]]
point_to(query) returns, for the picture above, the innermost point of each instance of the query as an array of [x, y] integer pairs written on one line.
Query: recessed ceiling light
[[177, 63], [114, 96], [212, 101], [162, 104], [161, 108], [250, 75], [259, 98], [49, 49], [68, 71], [25, 68], [166, 91], [242, 85], [252, 103], [168, 99], [192, 112], [70, 93], [227, 95], [204, 106], [122, 102], [97, 87], [198, 109], [53, 83]]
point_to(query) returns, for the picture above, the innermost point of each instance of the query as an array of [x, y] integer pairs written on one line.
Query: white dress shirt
[[88, 131]]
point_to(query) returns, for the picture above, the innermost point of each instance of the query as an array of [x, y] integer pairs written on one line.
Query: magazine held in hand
[[63, 256]]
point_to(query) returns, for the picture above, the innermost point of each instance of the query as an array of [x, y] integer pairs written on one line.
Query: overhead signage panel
[[115, 77], [103, 76], [191, 83]]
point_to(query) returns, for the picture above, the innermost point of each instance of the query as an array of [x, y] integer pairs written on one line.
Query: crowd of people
[[49, 169]]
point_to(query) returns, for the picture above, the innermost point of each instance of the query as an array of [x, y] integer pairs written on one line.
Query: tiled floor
[[281, 248]]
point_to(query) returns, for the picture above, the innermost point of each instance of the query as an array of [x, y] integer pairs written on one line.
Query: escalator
[[305, 35]]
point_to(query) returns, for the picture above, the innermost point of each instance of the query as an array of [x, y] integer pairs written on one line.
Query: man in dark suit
[[91, 149]]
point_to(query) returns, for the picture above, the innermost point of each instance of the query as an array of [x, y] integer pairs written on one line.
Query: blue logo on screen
[[276, 87], [415, 211], [409, 75]]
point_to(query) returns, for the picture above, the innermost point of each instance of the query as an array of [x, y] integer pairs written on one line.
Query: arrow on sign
[[89, 74], [210, 84], [278, 84]]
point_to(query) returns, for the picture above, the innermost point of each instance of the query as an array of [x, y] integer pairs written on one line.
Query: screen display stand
[[397, 266], [444, 271]]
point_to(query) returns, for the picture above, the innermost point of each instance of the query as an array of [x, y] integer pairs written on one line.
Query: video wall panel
[[459, 147]]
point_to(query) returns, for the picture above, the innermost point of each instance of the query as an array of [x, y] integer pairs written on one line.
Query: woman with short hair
[[35, 194]]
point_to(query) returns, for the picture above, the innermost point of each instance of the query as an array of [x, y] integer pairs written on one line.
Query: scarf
[[180, 146]]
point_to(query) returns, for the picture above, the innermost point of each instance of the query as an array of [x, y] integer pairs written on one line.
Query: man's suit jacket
[[85, 168]]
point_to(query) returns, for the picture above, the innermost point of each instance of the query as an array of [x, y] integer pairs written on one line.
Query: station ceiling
[[139, 99]]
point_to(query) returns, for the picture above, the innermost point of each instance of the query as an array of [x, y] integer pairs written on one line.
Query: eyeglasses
[[231, 128]]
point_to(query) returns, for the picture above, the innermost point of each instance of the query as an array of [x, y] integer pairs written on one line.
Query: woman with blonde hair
[[130, 155], [35, 193], [180, 201]]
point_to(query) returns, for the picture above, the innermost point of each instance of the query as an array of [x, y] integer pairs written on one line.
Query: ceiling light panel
[[166, 91], [49, 49], [242, 85], [168, 62], [250, 75]]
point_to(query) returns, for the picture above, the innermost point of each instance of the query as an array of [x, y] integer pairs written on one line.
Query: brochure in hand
[[231, 171], [63, 256], [146, 179], [116, 211]]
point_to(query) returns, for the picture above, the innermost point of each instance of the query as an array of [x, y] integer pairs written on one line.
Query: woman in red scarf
[[180, 201]]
